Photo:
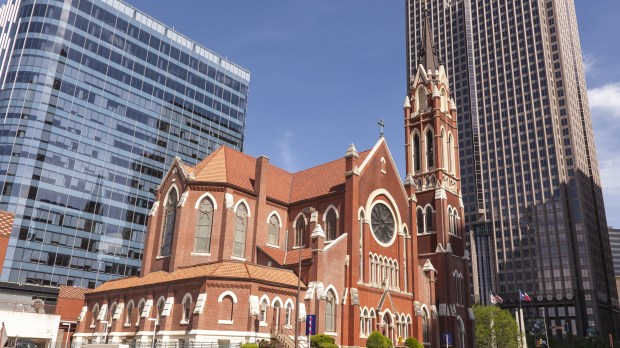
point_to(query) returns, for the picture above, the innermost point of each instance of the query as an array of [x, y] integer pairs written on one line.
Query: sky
[[324, 72]]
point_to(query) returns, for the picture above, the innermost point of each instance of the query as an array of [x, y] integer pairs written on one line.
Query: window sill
[[161, 257], [225, 322], [92, 326], [237, 258], [200, 254], [184, 322], [126, 325], [273, 246], [331, 333]]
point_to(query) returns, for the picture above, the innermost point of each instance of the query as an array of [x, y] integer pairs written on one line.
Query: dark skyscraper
[[530, 181], [96, 101]]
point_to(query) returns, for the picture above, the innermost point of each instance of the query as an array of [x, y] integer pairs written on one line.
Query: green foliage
[[249, 345], [317, 340], [413, 343], [265, 344], [376, 340], [495, 327], [389, 343], [328, 345]]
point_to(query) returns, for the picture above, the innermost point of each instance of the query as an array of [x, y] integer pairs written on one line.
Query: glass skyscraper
[[96, 101], [530, 180]]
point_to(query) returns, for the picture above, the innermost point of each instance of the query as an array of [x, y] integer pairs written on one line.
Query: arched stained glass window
[[331, 224], [169, 221], [300, 231], [274, 230], [204, 225], [241, 228], [330, 312]]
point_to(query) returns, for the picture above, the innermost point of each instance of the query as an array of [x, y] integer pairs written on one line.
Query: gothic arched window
[[421, 101], [300, 232], [444, 149], [204, 225], [425, 335], [429, 219], [241, 228], [330, 311], [187, 304], [361, 249], [451, 154], [417, 166], [420, 220], [430, 155], [274, 230], [331, 224], [169, 221]]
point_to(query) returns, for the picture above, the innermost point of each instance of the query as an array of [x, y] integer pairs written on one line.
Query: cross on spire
[[381, 125]]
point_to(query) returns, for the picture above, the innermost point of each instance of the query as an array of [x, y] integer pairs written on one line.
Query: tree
[[376, 340], [495, 327], [413, 343]]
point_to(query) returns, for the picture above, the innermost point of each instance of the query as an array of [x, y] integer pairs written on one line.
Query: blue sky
[[324, 72]]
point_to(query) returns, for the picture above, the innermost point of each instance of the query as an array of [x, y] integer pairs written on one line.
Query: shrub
[[376, 340], [389, 343], [249, 345], [317, 340], [328, 345], [413, 343], [265, 344]]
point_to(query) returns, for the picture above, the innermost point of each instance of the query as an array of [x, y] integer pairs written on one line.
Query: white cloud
[[285, 150], [605, 98], [589, 63], [609, 169]]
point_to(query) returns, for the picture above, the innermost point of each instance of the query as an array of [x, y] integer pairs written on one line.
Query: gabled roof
[[226, 165], [227, 269]]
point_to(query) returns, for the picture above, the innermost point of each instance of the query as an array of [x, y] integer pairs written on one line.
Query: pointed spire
[[452, 104], [351, 152], [407, 103], [427, 55]]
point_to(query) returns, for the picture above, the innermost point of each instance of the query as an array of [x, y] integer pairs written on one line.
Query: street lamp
[[156, 320], [68, 332]]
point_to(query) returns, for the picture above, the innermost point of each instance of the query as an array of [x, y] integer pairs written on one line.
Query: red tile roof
[[226, 165], [290, 257], [220, 270], [72, 292]]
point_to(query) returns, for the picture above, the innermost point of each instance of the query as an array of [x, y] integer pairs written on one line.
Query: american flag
[[495, 298]]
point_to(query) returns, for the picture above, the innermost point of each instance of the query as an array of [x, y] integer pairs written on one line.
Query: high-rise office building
[[614, 243], [530, 180], [96, 100]]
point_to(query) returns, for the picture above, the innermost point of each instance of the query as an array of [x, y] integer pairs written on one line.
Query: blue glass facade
[[97, 99]]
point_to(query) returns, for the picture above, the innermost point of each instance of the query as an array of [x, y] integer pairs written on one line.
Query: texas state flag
[[524, 297]]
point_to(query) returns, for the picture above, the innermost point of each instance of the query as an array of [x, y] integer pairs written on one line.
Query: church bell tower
[[433, 181]]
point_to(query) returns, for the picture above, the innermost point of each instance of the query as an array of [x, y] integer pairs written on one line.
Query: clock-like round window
[[382, 222]]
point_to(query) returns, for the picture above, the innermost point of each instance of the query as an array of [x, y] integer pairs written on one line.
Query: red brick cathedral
[[231, 240]]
